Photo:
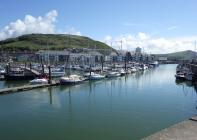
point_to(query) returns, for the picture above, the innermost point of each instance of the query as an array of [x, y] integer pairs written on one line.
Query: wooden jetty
[[27, 87]]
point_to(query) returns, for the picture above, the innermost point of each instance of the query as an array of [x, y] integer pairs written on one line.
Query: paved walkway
[[186, 130]]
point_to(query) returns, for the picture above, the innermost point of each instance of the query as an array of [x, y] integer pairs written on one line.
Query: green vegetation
[[35, 42], [183, 55]]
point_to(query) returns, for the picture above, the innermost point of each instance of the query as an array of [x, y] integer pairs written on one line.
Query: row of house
[[47, 56], [84, 56], [92, 56]]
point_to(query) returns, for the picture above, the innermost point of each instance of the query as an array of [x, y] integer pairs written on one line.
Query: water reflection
[[188, 87], [110, 108], [50, 95]]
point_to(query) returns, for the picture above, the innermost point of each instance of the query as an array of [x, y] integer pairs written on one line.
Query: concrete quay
[[186, 130]]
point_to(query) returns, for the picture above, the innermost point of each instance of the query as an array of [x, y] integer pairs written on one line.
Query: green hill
[[183, 55], [35, 42]]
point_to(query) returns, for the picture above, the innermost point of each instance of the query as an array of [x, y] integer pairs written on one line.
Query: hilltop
[[182, 55], [35, 42]]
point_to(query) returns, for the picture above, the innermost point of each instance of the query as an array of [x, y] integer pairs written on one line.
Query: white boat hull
[[113, 74], [73, 79], [96, 77], [39, 81]]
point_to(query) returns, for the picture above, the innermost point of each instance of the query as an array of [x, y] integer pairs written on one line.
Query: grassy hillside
[[183, 55], [35, 42]]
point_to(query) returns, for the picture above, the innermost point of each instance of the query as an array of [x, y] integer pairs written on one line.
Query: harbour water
[[129, 108]]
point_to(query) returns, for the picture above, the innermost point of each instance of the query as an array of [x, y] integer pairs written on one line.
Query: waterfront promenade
[[186, 130]]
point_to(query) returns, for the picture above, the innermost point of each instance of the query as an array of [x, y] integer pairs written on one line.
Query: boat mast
[[48, 54], [195, 51]]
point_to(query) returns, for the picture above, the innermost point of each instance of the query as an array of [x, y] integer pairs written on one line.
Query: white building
[[52, 56]]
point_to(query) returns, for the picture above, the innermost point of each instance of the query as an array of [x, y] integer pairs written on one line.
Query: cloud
[[108, 38], [142, 36], [152, 44], [41, 24], [29, 25]]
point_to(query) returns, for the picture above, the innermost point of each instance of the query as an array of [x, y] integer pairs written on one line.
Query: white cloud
[[108, 38], [142, 36], [29, 25], [42, 24], [152, 45]]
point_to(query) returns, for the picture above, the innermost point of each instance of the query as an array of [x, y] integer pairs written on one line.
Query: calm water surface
[[128, 108]]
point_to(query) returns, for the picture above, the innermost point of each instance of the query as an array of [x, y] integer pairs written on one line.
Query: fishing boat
[[72, 79], [189, 76], [184, 73], [19, 74], [180, 76]]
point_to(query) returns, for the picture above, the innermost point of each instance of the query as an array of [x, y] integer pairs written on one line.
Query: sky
[[158, 26]]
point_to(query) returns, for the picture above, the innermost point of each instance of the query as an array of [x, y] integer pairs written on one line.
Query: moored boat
[[2, 71], [39, 81], [56, 72], [180, 76], [19, 74], [96, 77], [122, 72], [72, 79], [88, 74], [189, 76], [154, 64], [133, 69], [128, 71], [113, 74]]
